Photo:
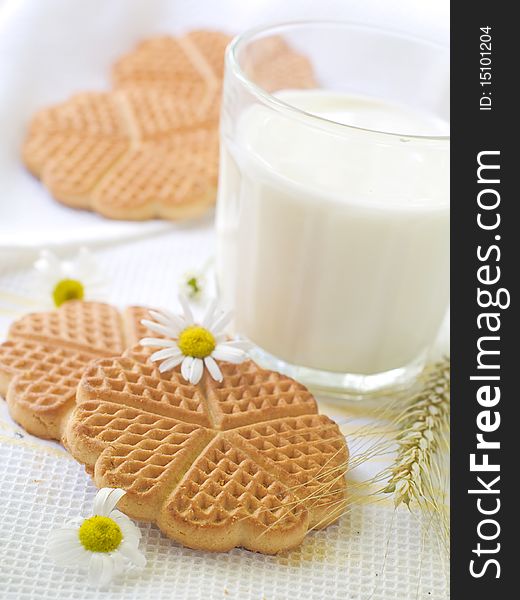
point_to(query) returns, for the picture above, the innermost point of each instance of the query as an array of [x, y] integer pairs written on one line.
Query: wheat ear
[[424, 426]]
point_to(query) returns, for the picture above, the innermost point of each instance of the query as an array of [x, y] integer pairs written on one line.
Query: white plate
[[52, 48]]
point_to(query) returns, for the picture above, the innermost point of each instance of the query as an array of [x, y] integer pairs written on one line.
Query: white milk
[[333, 243]]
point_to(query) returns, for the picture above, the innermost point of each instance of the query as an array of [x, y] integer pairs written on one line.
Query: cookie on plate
[[149, 148], [127, 154]]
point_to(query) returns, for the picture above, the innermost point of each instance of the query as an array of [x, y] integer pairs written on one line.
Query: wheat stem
[[423, 432]]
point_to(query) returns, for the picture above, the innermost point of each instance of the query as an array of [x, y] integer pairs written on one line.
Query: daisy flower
[[104, 544], [193, 345], [62, 280], [193, 284]]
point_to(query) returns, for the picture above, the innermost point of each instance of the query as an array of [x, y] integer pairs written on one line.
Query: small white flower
[[192, 285], [193, 345], [62, 280], [104, 544]]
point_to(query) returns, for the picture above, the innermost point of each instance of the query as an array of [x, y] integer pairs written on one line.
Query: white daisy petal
[[118, 562], [229, 354], [85, 265], [159, 317], [240, 344], [65, 548], [74, 523], [208, 317], [117, 515], [48, 263], [60, 536], [130, 532], [100, 569], [213, 368], [196, 370], [166, 353], [188, 315], [106, 500], [178, 320], [67, 269], [175, 324], [83, 560], [222, 322], [158, 342], [234, 343], [132, 553], [171, 363], [78, 557], [108, 570], [158, 328], [186, 366]]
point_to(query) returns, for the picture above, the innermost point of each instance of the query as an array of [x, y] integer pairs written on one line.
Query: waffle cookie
[[243, 462], [43, 359], [189, 66], [127, 154], [273, 65], [147, 149]]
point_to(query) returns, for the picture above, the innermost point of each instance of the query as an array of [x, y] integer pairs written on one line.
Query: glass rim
[[278, 104]]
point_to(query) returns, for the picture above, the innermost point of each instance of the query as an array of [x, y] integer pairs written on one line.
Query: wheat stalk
[[423, 426]]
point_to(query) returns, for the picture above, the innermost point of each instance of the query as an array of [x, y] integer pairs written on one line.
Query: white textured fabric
[[374, 552]]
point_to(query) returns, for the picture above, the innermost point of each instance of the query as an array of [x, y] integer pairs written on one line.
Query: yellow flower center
[[68, 289], [196, 341], [100, 534]]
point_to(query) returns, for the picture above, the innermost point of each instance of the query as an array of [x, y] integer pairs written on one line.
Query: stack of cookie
[[247, 461]]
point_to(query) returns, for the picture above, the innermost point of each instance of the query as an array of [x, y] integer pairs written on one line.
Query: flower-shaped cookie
[[127, 154], [149, 148], [245, 461], [141, 151]]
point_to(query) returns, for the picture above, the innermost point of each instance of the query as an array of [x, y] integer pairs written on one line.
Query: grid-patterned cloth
[[374, 552]]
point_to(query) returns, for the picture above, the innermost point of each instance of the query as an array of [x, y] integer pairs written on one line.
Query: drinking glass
[[333, 204]]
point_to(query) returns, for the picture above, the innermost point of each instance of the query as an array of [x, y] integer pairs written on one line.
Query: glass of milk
[[333, 203]]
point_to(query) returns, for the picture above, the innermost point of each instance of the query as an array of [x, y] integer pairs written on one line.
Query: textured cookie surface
[[43, 359], [147, 149], [244, 462], [273, 65]]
